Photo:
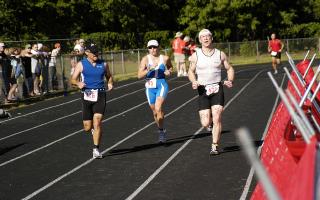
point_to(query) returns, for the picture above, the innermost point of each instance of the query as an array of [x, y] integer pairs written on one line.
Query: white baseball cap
[[2, 44], [153, 43], [204, 32]]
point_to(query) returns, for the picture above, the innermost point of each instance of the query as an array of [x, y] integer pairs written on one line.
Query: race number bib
[[91, 95], [212, 89], [274, 53], [151, 83]]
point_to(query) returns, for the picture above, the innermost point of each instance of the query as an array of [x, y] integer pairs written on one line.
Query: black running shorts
[[205, 102], [89, 108]]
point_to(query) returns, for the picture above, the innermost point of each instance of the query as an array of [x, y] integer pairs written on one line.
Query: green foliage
[[121, 24], [163, 37], [246, 49]]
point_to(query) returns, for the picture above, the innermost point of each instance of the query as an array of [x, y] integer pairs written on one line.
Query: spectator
[[15, 72], [52, 67], [178, 46], [26, 63], [45, 59], [77, 54], [36, 68], [190, 48], [79, 46], [4, 76]]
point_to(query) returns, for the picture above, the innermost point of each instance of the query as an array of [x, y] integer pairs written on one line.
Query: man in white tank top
[[205, 74]]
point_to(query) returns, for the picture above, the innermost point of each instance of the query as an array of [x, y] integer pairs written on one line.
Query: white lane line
[[128, 84], [90, 160], [60, 118], [105, 151], [250, 176], [155, 173], [47, 108], [67, 136]]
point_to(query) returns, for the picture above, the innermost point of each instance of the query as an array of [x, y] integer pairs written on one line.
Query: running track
[[45, 154]]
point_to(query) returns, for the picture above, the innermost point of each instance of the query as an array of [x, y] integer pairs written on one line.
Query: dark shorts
[[278, 56], [89, 108], [205, 102]]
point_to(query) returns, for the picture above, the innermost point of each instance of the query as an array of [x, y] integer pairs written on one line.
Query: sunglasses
[[152, 47]]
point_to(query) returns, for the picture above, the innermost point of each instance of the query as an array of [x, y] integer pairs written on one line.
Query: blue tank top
[[92, 76], [158, 71]]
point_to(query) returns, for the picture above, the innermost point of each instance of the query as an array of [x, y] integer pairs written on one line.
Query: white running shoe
[[185, 74], [96, 154], [275, 72], [92, 131], [214, 149], [162, 136]]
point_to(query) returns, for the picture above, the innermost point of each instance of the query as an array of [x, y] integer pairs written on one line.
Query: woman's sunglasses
[[152, 47]]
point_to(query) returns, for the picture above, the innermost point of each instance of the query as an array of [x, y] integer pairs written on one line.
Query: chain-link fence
[[126, 62]]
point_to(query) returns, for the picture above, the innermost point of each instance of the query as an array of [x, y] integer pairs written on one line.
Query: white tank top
[[208, 68]]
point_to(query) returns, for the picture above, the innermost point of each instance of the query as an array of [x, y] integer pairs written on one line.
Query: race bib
[[212, 89], [151, 83], [274, 53], [91, 95]]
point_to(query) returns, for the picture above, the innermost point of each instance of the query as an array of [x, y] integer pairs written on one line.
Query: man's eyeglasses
[[152, 47]]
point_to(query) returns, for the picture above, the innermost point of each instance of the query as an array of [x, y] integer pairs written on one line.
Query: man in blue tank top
[[154, 67], [93, 72]]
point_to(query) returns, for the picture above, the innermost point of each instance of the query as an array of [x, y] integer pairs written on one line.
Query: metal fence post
[[287, 45], [257, 48], [229, 51], [112, 63], [122, 63], [138, 57]]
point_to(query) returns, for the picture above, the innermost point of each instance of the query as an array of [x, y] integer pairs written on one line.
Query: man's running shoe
[[92, 131], [96, 154], [214, 149], [162, 136]]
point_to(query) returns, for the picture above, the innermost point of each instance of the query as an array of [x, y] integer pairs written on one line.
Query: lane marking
[[250, 176], [47, 108], [106, 150], [60, 118], [67, 136], [118, 143], [175, 154]]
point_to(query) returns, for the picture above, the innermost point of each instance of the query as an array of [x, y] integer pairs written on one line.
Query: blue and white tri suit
[[161, 87]]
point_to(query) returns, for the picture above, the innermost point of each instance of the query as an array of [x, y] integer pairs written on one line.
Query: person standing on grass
[[154, 67], [93, 87], [275, 47], [178, 45], [205, 74]]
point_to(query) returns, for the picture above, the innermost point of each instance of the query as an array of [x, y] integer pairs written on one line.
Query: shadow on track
[[156, 145], [237, 148], [7, 149]]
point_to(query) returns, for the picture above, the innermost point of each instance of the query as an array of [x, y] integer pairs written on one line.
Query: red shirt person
[[178, 45], [275, 47]]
